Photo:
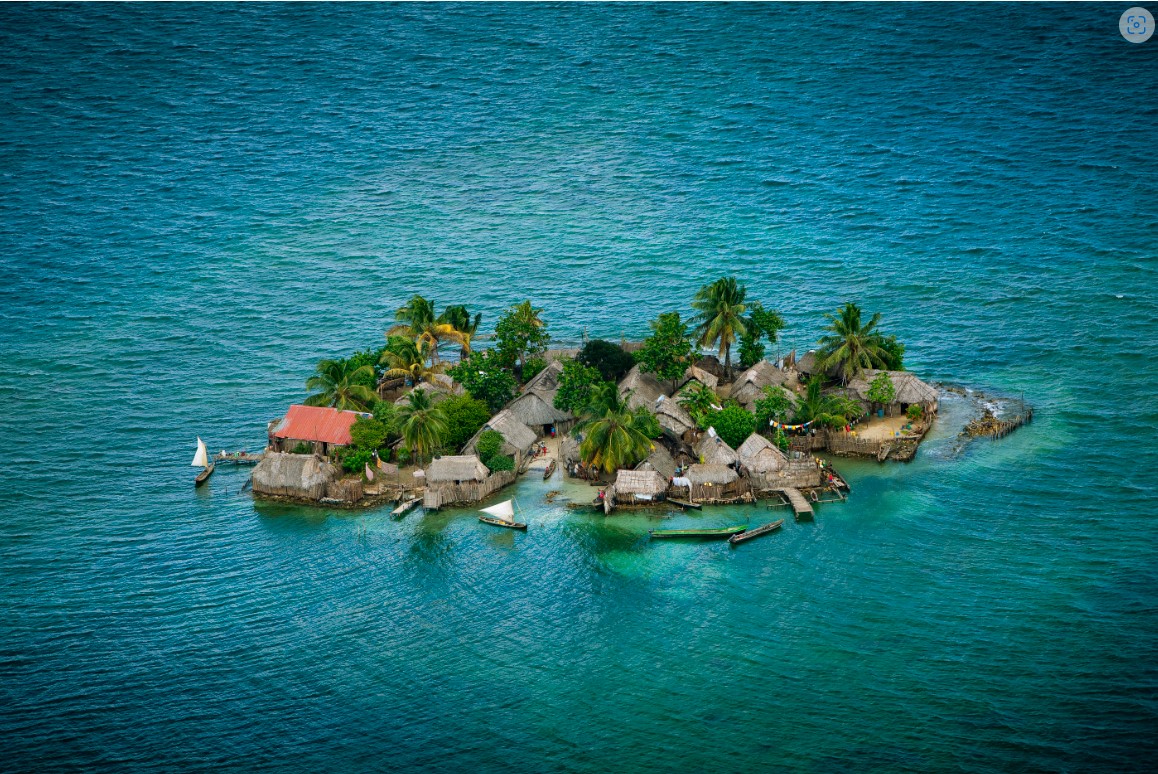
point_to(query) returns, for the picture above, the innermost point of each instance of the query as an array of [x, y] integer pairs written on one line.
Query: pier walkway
[[799, 503]]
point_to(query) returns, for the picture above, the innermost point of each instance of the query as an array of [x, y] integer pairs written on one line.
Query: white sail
[[201, 458], [504, 511]]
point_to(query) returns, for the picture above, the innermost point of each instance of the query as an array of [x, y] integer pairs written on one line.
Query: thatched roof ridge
[[534, 408], [644, 482], [806, 363], [713, 451], [760, 455], [518, 436], [909, 389], [465, 467], [695, 373], [660, 461], [644, 388], [546, 380], [673, 417], [711, 474], [749, 386]]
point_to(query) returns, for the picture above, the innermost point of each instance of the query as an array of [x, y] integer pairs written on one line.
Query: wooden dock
[[405, 507], [239, 458], [799, 503], [685, 504]]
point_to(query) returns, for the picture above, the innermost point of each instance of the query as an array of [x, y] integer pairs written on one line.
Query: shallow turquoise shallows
[[199, 202]]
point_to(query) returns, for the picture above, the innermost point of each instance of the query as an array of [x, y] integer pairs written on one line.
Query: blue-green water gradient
[[198, 202]]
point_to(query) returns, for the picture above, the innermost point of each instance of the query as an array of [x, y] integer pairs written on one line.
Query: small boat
[[685, 504], [763, 529], [502, 515], [405, 507], [550, 469], [717, 532], [201, 460]]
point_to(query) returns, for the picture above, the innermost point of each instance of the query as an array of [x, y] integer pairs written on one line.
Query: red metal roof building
[[316, 425]]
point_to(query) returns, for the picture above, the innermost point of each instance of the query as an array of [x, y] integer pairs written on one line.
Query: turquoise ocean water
[[197, 203]]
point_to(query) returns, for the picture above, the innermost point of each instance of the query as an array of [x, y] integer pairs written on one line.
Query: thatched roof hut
[[547, 380], [456, 469], [300, 476], [759, 455], [641, 389], [717, 475], [673, 418], [660, 461], [712, 450], [806, 364], [697, 374], [518, 437], [648, 483], [535, 411], [909, 389], [749, 386]]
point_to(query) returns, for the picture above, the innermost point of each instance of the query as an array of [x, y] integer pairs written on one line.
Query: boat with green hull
[[712, 532]]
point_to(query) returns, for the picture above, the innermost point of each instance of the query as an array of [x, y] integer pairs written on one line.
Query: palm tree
[[459, 318], [614, 436], [423, 424], [721, 313], [825, 410], [417, 321], [850, 347], [405, 359], [342, 385]]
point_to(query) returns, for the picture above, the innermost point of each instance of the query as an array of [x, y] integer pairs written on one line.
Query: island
[[429, 417]]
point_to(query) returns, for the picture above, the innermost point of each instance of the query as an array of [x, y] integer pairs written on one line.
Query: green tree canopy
[[699, 400], [668, 351], [576, 382], [733, 424], [342, 385], [489, 444], [464, 416], [720, 308], [403, 359], [774, 405], [457, 317], [761, 324], [519, 334], [609, 359], [484, 377], [881, 389]]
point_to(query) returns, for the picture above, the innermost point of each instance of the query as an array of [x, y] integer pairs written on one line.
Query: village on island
[[433, 419]]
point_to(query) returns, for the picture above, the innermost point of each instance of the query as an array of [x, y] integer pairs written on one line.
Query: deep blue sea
[[199, 202]]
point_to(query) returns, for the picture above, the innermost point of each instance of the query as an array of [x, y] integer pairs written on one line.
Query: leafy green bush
[[464, 416], [302, 448], [734, 424], [402, 456], [532, 368], [774, 405], [355, 460], [488, 444], [369, 434], [500, 462], [484, 376], [610, 360], [668, 350], [881, 389], [914, 411], [575, 384]]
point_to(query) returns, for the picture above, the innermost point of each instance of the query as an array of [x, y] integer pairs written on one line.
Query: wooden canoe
[[763, 529], [717, 532], [406, 507], [550, 469], [501, 523], [203, 476]]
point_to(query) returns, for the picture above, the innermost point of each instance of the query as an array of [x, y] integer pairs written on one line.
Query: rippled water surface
[[196, 203]]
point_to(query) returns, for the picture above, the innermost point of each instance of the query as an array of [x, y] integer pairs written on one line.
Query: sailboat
[[201, 460], [502, 515]]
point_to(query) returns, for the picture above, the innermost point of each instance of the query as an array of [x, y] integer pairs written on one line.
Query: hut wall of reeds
[[298, 476], [796, 473], [633, 487], [714, 484], [438, 495]]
